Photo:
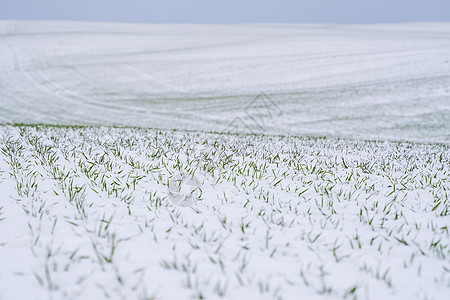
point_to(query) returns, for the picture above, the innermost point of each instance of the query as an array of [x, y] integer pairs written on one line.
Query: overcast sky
[[229, 11]]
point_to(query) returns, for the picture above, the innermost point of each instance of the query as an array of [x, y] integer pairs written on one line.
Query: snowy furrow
[[388, 81]]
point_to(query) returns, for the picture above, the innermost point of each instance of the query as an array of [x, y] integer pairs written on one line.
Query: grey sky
[[229, 11]]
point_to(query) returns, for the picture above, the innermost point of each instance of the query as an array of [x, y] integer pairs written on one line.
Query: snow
[[252, 161], [386, 81], [88, 214]]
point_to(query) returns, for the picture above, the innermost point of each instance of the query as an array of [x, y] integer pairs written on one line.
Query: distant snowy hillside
[[389, 81]]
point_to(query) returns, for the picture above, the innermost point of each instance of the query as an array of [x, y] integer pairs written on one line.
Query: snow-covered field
[[89, 213], [365, 81], [146, 212]]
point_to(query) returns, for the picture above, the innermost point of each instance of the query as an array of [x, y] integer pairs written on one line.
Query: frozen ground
[[88, 213], [366, 81], [129, 213]]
